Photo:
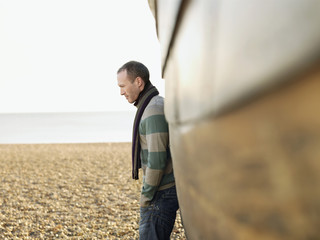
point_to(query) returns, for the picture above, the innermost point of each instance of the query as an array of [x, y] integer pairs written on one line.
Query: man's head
[[132, 77]]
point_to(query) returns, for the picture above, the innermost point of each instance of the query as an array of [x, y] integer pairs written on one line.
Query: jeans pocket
[[169, 193]]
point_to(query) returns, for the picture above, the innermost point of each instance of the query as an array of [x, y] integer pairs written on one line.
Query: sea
[[80, 127]]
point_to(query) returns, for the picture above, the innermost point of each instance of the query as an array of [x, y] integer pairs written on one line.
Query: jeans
[[157, 220]]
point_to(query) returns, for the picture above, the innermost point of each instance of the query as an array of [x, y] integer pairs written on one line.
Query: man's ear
[[140, 82]]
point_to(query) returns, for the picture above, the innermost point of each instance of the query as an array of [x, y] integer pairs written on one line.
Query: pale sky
[[62, 55]]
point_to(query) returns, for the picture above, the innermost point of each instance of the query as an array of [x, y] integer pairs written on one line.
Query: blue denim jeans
[[157, 220]]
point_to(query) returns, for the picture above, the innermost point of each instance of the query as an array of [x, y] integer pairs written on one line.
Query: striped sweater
[[155, 152]]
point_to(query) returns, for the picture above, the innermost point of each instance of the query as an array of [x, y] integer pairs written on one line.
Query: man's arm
[[157, 138]]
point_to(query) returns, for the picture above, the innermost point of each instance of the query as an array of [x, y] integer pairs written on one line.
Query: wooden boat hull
[[253, 173], [242, 99]]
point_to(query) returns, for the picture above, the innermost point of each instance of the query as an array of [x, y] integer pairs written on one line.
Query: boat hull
[[242, 99], [253, 173]]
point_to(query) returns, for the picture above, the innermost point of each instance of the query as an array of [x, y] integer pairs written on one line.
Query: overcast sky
[[62, 55]]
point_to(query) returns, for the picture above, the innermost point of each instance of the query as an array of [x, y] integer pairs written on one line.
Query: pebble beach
[[70, 191]]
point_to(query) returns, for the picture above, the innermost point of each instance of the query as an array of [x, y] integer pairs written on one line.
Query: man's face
[[130, 90]]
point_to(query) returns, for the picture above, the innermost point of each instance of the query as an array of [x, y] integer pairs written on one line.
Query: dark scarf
[[141, 103]]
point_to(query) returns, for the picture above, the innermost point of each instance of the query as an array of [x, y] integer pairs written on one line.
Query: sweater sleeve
[[157, 138]]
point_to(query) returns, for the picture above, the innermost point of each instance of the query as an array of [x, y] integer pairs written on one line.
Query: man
[[150, 150]]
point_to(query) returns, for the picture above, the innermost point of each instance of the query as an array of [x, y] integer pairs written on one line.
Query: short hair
[[136, 69]]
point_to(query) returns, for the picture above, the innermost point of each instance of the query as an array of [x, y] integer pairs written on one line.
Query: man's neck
[[146, 86]]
